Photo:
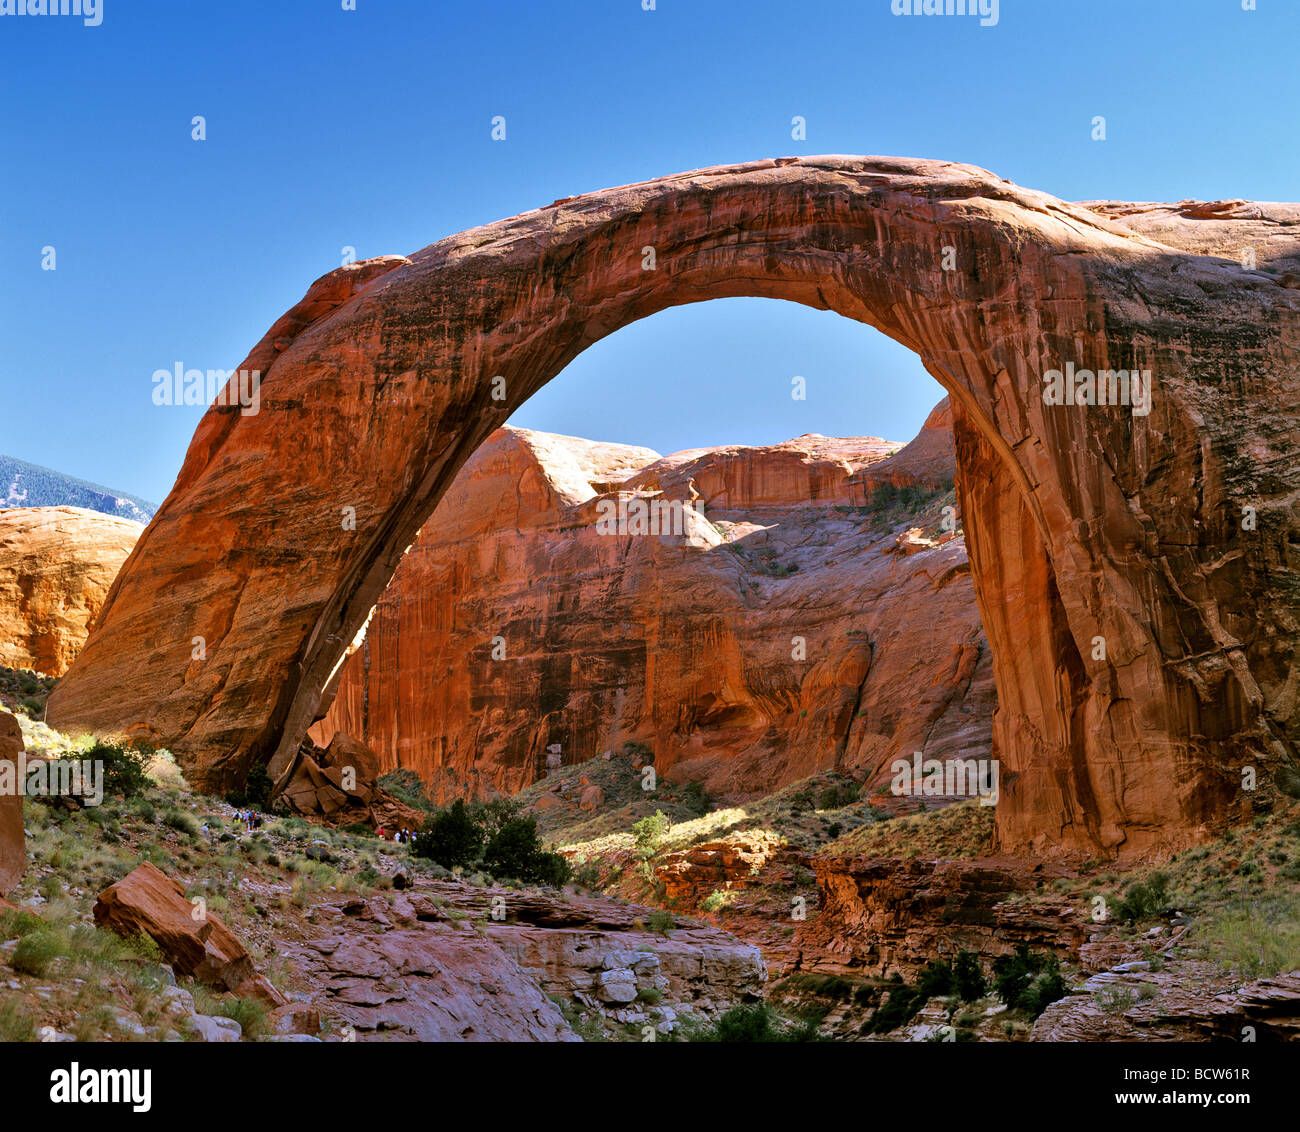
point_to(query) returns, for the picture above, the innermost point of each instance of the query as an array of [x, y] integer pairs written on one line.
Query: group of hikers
[[403, 836], [253, 820]]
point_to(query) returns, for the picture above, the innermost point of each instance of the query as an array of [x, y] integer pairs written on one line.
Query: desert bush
[[124, 764], [1143, 900], [407, 786], [650, 832], [37, 950], [970, 982], [752, 1022], [515, 851], [450, 838], [1028, 981], [182, 821]]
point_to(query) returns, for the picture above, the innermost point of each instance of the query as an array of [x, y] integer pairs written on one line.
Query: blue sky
[[371, 128]]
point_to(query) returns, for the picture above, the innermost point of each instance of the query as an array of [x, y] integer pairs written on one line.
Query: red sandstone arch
[[1082, 522]]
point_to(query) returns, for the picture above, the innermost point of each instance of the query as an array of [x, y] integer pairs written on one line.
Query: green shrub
[[248, 1012], [124, 766], [492, 816], [449, 838], [838, 795], [1028, 981], [406, 786], [1142, 901], [754, 1022], [182, 821], [662, 921], [515, 851], [649, 833], [37, 950], [970, 981], [255, 792]]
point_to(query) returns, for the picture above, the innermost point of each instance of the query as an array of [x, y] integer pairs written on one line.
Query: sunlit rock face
[[56, 566], [1168, 535], [780, 635]]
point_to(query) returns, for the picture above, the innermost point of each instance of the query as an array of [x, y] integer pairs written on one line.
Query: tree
[[515, 851], [449, 838]]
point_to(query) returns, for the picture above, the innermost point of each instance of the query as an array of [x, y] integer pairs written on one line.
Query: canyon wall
[[784, 635], [56, 567]]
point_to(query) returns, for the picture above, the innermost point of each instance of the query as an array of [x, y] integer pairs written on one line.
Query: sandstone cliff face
[[779, 638], [13, 837], [56, 566], [1085, 522]]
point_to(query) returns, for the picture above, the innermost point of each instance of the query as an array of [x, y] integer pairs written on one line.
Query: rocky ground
[[1207, 942], [826, 901], [349, 937]]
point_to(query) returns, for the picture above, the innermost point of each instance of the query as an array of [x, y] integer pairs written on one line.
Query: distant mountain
[[29, 485]]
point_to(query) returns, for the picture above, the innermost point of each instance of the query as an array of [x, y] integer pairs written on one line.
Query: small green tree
[[649, 833], [449, 838], [971, 984], [124, 766], [515, 851], [492, 816]]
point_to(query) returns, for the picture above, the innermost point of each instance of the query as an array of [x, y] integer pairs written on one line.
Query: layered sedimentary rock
[[1136, 570], [13, 837], [777, 637], [437, 964], [56, 566], [1184, 1001], [889, 915]]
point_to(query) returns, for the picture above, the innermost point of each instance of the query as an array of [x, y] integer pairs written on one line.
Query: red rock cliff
[[788, 639], [56, 565]]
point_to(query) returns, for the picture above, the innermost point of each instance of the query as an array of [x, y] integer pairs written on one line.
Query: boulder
[[351, 766], [311, 791], [294, 1018], [148, 902], [260, 988]]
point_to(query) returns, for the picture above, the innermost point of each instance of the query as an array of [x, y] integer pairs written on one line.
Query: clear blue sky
[[371, 128]]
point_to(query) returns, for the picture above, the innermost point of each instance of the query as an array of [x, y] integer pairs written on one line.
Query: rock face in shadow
[[1136, 570], [13, 837], [890, 915], [56, 566], [1185, 1002], [449, 962], [779, 637]]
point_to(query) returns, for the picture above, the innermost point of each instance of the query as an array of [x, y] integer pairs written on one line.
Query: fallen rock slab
[[148, 902]]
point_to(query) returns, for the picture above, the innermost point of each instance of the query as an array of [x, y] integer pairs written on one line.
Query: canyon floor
[[819, 912]]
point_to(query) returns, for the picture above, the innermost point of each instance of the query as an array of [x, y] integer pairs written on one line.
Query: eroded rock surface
[[434, 965], [56, 567], [890, 915], [1186, 1001]]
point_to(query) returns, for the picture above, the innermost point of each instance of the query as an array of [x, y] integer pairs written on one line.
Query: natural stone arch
[[1082, 522]]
